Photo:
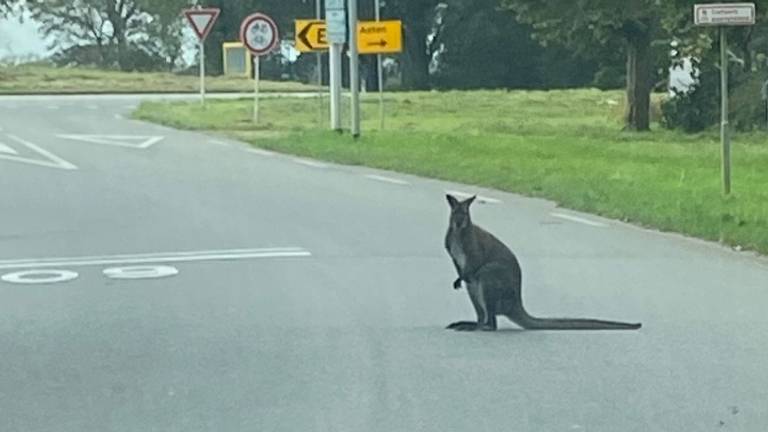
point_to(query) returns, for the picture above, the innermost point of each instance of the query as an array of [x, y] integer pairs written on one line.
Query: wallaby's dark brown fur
[[494, 279]]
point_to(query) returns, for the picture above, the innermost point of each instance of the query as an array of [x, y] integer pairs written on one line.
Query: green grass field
[[563, 145], [39, 78]]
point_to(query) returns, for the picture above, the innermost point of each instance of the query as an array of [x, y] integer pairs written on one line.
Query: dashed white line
[[480, 198], [164, 257], [578, 220], [219, 143], [386, 179], [92, 107], [119, 117], [310, 163], [260, 152], [53, 107]]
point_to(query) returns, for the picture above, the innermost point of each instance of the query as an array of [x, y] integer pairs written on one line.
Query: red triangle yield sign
[[202, 20]]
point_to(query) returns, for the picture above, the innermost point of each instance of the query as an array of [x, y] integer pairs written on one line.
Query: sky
[[20, 38]]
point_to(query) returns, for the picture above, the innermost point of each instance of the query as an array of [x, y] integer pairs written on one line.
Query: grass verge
[[562, 145], [43, 79]]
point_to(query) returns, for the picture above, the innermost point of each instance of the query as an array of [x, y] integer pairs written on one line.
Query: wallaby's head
[[459, 211]]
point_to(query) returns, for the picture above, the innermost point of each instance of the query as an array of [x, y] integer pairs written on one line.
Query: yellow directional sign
[[379, 37], [311, 35], [373, 37]]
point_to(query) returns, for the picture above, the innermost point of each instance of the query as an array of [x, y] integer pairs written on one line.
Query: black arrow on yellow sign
[[314, 43], [381, 43]]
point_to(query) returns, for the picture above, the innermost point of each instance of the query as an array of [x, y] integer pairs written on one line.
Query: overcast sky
[[20, 38]]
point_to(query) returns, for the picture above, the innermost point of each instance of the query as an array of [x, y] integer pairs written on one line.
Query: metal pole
[[354, 72], [725, 138], [379, 71], [335, 82], [202, 72], [319, 16], [256, 77]]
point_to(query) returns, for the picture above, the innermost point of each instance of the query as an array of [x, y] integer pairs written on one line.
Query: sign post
[[722, 15], [201, 20], [379, 70], [336, 34], [354, 71], [258, 33]]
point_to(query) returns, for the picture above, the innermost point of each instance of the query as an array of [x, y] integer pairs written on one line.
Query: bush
[[699, 107]]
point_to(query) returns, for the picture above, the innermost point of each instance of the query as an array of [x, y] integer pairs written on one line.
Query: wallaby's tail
[[528, 322]]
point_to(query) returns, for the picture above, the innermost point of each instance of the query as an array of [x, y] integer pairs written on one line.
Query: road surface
[[159, 280]]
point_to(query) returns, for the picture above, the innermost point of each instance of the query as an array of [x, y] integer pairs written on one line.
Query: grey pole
[[725, 138], [335, 82], [379, 71], [319, 16], [354, 72]]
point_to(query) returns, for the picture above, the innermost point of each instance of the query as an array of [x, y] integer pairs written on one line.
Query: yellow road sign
[[311, 35], [379, 37], [373, 37]]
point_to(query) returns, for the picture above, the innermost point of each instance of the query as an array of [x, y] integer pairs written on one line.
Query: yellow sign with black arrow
[[311, 35], [373, 37]]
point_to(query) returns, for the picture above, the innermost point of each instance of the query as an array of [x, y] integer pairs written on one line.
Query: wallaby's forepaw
[[463, 326], [457, 284]]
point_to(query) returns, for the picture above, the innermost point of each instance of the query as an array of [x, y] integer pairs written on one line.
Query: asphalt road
[[276, 294]]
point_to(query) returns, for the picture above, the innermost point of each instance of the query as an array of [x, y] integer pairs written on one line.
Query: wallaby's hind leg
[[472, 290], [484, 308]]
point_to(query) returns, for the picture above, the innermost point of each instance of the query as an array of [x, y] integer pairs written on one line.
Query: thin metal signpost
[[201, 20], [259, 34], [722, 15]]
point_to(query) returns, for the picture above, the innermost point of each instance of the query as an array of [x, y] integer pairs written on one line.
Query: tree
[[119, 30], [583, 23], [419, 29], [479, 46]]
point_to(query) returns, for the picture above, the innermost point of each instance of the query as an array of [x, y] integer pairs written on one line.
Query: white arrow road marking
[[163, 257], [6, 149], [52, 162], [131, 141]]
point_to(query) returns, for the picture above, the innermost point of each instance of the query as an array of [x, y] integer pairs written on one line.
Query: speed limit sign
[[259, 34]]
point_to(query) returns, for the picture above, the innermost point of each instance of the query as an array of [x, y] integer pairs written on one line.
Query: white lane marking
[[386, 179], [52, 162], [131, 141], [39, 276], [92, 107], [480, 198], [140, 272], [6, 149], [53, 107], [260, 152], [578, 220], [219, 143], [163, 257], [310, 163], [119, 117]]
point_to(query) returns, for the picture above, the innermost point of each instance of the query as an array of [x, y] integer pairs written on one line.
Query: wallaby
[[493, 279]]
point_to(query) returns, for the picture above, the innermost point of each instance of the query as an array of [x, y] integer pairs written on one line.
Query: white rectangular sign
[[724, 14]]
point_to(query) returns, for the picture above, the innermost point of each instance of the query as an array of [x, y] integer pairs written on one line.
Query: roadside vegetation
[[564, 145], [39, 78]]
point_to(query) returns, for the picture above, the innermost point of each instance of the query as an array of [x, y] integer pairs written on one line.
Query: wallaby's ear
[[451, 200], [471, 200]]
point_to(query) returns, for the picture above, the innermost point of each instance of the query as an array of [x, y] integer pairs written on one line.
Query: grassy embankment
[[43, 79]]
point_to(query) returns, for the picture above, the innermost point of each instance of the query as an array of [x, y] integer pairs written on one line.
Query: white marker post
[[379, 71], [354, 71], [201, 20], [259, 34], [722, 15], [336, 21]]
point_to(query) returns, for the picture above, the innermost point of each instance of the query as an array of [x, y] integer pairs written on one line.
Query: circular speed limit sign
[[259, 34]]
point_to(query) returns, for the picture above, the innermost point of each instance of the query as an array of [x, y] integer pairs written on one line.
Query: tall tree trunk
[[115, 16], [639, 85]]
